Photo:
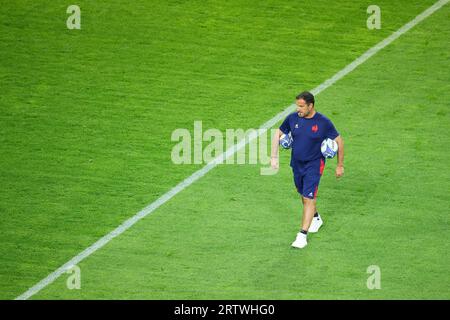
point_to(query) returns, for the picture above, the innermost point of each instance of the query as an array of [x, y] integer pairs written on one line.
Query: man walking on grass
[[308, 129]]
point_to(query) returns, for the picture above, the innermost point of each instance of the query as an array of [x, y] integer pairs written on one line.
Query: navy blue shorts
[[307, 176]]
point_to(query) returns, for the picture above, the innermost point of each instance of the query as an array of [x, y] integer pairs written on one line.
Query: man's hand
[[274, 163], [339, 171], [340, 157]]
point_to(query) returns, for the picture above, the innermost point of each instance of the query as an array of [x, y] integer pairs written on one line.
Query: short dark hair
[[307, 96]]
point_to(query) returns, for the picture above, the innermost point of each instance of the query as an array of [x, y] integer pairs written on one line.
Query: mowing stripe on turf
[[229, 152]]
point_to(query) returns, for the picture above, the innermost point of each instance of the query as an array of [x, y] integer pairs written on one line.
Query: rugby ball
[[286, 140], [329, 148]]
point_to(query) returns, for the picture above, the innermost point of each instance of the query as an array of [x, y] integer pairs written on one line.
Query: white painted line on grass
[[229, 152]]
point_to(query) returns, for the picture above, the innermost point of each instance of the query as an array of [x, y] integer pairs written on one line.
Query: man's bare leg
[[309, 209]]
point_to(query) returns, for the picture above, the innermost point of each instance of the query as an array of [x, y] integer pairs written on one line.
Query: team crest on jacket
[[314, 128]]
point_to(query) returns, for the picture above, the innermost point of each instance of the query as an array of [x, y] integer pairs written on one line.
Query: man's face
[[303, 109]]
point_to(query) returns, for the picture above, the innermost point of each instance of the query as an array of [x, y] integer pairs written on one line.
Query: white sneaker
[[300, 241], [316, 223]]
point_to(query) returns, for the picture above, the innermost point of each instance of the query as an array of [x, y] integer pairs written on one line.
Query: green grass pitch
[[85, 123]]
